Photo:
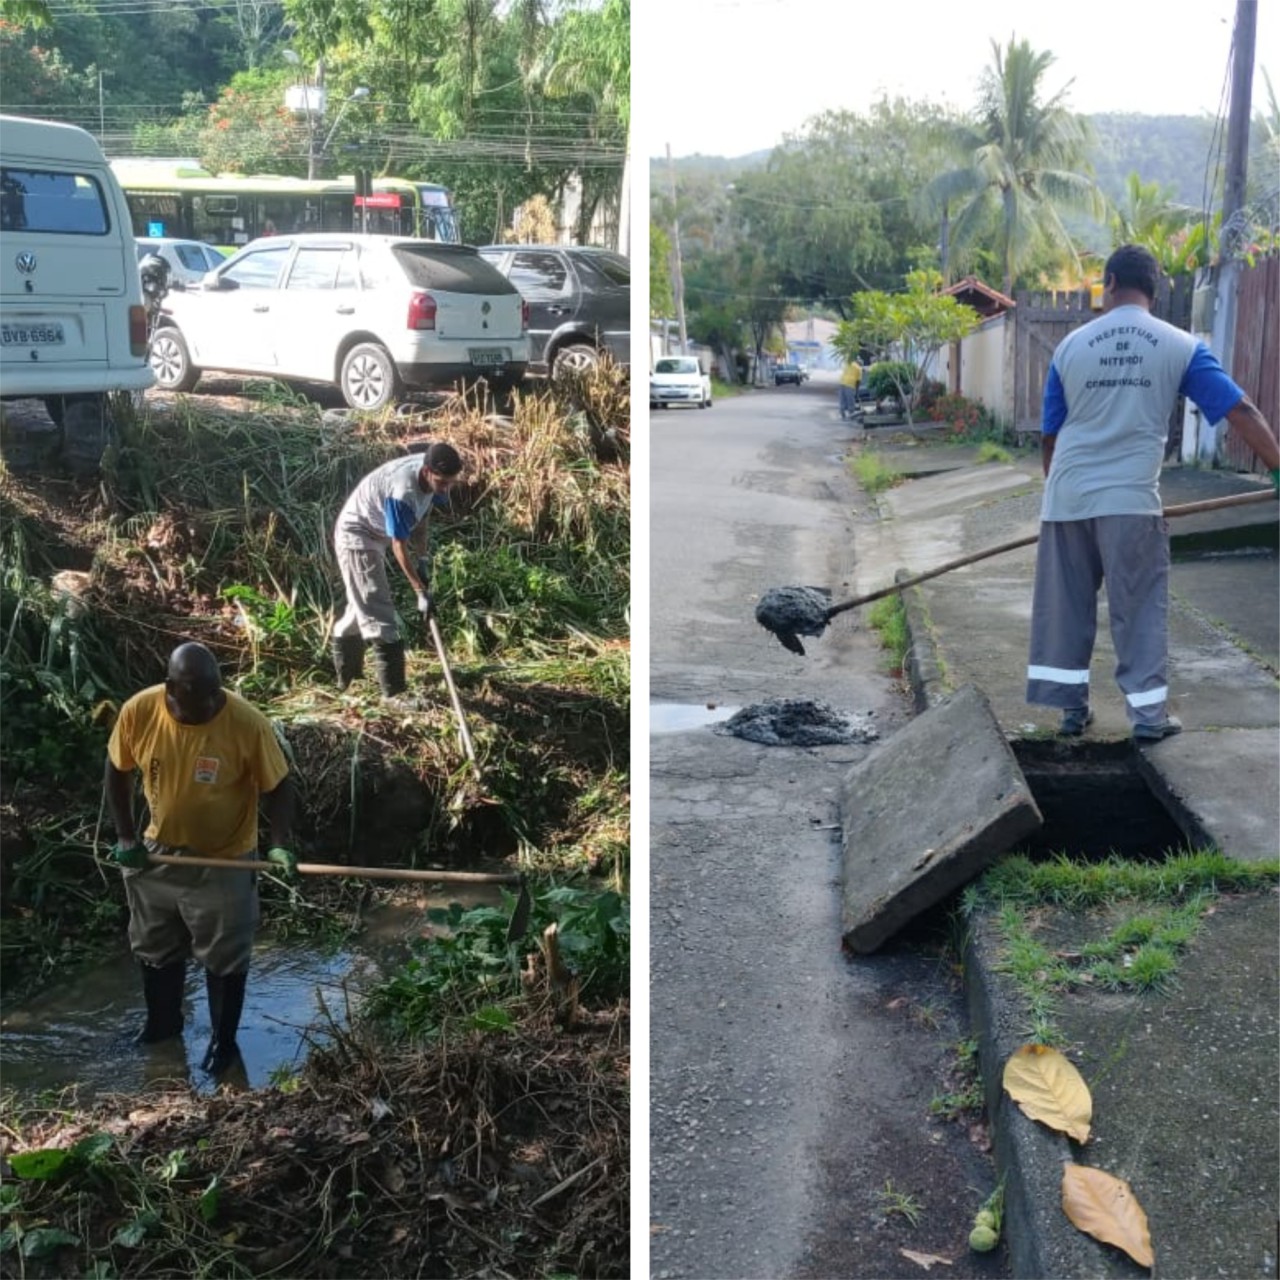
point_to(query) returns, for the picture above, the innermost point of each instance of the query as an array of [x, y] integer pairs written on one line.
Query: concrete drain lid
[[797, 722]]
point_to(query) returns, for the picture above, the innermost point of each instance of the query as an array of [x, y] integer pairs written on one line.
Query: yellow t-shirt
[[202, 781], [852, 375]]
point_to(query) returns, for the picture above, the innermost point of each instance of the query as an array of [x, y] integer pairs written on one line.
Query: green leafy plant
[[890, 379], [895, 1203], [471, 973]]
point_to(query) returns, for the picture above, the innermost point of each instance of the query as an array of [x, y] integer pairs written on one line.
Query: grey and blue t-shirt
[[1111, 388], [386, 504]]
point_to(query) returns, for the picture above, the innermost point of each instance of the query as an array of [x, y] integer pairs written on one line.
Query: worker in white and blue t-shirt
[[382, 512], [1111, 390]]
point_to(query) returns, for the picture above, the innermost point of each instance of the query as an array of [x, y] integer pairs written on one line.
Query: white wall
[[982, 371]]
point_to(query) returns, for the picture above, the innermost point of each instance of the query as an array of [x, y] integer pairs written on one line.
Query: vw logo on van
[[485, 308], [26, 263]]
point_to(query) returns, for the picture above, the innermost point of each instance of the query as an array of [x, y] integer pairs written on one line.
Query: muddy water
[[680, 717], [79, 1030]]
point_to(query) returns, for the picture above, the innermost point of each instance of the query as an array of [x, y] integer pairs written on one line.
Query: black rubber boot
[[162, 988], [348, 658], [388, 662], [226, 1003]]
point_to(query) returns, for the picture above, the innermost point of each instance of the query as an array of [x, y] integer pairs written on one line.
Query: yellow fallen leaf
[[926, 1260], [1049, 1089], [1104, 1206]]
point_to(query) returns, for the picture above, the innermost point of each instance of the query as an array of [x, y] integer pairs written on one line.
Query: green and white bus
[[229, 210]]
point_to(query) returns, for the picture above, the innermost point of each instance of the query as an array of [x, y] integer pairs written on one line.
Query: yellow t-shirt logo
[[206, 769]]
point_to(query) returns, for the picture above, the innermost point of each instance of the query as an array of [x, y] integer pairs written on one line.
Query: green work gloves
[[129, 853], [285, 860]]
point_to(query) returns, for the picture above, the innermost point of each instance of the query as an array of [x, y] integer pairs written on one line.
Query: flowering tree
[[908, 328]]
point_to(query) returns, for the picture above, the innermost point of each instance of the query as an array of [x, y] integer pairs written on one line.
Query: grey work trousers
[[176, 912], [371, 612], [1073, 559]]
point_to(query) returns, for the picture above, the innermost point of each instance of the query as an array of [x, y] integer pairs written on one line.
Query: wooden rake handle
[[331, 869], [463, 732], [1186, 509]]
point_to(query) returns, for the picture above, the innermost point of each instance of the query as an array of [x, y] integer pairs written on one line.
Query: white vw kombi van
[[73, 326]]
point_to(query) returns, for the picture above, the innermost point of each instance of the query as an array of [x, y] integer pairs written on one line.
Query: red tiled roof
[[988, 301]]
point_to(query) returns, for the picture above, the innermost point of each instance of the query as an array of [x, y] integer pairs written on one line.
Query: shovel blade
[[518, 926]]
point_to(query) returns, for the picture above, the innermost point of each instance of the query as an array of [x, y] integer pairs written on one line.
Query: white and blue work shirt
[[1108, 398], [386, 504]]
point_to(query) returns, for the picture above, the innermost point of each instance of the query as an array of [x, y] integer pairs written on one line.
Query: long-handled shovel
[[791, 612], [333, 869], [516, 927], [463, 732]]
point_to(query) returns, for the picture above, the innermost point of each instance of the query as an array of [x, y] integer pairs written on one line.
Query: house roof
[[985, 300]]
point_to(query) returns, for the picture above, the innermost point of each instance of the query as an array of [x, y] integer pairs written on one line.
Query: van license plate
[[488, 358], [36, 335]]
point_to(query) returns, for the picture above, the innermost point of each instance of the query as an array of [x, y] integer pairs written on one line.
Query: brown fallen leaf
[[926, 1260], [1104, 1207], [1049, 1089]]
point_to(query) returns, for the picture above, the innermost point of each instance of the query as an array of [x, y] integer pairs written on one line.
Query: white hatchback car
[[372, 315], [679, 380], [188, 260]]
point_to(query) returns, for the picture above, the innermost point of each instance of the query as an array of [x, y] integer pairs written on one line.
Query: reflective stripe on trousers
[[1073, 559]]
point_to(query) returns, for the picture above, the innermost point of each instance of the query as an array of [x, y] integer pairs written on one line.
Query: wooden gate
[[1253, 361], [1042, 319]]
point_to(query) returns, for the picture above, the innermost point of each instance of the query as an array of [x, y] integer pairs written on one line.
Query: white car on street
[[371, 315], [679, 380], [188, 260]]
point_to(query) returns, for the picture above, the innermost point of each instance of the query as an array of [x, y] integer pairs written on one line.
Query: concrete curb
[[1040, 1239]]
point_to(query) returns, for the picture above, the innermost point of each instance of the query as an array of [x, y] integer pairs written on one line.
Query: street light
[[361, 91]]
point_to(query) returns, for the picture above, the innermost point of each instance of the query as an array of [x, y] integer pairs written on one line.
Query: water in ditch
[[78, 1030]]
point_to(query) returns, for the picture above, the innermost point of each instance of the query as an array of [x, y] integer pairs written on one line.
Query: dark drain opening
[[1094, 802]]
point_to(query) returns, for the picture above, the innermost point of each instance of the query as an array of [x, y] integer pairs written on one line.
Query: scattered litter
[[797, 722]]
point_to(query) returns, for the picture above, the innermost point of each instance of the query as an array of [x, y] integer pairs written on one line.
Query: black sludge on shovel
[[791, 612]]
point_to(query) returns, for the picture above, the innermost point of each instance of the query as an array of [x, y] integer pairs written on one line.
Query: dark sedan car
[[579, 302], [783, 373]]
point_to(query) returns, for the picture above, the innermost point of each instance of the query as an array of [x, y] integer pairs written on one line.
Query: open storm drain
[[798, 722]]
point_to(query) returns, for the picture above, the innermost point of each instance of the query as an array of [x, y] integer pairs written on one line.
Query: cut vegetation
[[472, 1116]]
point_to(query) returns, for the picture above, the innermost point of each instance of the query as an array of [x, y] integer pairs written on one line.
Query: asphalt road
[[790, 1085]]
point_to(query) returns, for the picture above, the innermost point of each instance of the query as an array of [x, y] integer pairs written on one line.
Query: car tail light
[[524, 313], [137, 330], [422, 311]]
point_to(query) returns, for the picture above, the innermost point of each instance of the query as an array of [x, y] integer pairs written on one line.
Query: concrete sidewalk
[[1186, 1085]]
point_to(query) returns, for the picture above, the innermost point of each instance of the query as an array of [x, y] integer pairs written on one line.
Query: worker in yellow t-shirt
[[849, 382], [206, 756]]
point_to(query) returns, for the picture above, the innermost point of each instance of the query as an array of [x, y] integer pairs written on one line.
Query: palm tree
[[1024, 162]]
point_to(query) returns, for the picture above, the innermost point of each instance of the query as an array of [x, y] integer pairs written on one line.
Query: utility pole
[[677, 267], [1233, 218]]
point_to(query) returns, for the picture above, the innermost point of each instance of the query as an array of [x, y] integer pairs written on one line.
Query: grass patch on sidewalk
[[888, 618], [1130, 922], [874, 474]]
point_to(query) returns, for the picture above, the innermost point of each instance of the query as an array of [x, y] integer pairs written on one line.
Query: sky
[[728, 77]]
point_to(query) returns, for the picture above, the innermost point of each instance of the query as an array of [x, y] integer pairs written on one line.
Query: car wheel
[[85, 434], [171, 361], [369, 380], [576, 358]]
